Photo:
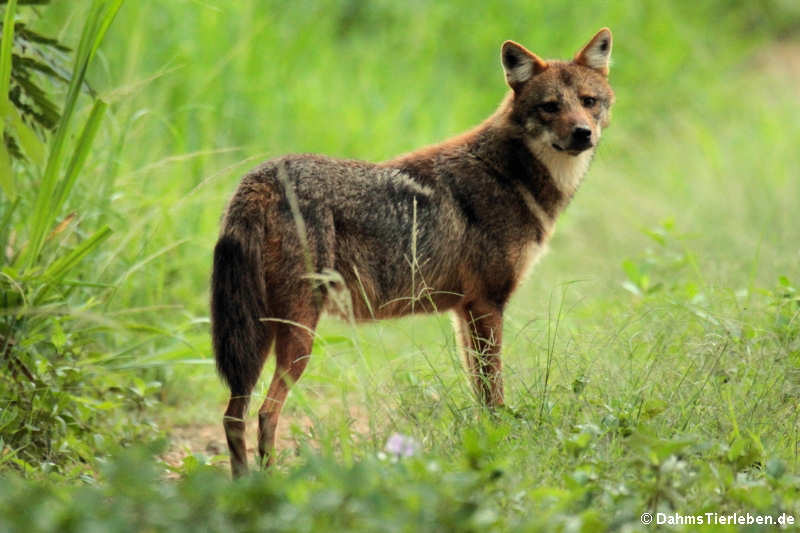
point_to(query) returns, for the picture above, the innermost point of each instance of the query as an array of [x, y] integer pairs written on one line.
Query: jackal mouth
[[573, 150]]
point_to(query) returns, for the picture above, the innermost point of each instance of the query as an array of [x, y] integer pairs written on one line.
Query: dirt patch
[[209, 439]]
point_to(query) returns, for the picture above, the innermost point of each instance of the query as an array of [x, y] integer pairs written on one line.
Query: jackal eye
[[588, 101], [550, 107]]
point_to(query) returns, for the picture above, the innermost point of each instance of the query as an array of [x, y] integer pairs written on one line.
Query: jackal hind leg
[[293, 345], [233, 421], [479, 328]]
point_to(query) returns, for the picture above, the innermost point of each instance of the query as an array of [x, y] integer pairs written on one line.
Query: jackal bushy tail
[[238, 302]]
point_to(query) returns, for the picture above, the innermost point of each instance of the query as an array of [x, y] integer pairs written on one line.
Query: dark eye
[[550, 107], [588, 101]]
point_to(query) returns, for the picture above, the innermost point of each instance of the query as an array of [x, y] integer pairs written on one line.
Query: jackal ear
[[520, 64], [597, 52]]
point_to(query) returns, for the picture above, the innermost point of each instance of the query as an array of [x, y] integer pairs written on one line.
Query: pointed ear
[[597, 52], [520, 64]]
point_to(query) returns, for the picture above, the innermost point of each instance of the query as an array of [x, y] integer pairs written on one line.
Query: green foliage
[[27, 59], [467, 492], [322, 495], [54, 397]]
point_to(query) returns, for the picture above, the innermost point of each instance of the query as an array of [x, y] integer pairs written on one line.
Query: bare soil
[[209, 439]]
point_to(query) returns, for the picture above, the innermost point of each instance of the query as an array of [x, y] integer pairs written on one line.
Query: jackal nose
[[581, 135]]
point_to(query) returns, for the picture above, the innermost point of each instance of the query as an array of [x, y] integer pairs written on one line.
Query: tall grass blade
[[81, 152], [5, 224], [6, 175], [97, 22], [63, 265], [5, 55], [56, 272]]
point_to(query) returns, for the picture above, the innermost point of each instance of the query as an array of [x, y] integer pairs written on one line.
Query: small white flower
[[401, 445]]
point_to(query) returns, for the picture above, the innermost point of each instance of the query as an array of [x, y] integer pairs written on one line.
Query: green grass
[[652, 355]]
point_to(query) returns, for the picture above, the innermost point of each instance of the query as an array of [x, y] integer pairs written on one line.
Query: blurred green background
[[684, 237]]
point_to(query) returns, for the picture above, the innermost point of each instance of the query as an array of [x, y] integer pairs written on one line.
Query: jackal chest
[[526, 255], [534, 236]]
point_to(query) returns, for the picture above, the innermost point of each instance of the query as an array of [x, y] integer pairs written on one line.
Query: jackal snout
[[578, 139], [581, 135]]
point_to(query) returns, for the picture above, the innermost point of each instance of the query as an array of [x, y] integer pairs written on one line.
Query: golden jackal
[[453, 226]]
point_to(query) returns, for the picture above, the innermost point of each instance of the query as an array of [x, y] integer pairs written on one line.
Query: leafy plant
[[658, 265], [786, 304], [43, 341], [31, 64]]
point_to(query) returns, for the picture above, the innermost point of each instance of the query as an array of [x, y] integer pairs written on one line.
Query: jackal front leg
[[480, 328]]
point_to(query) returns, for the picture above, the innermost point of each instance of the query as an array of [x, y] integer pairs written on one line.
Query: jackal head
[[561, 106]]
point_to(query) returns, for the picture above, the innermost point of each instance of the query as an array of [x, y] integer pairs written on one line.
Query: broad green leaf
[[32, 63], [58, 337], [632, 271], [35, 37], [48, 113], [31, 144]]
